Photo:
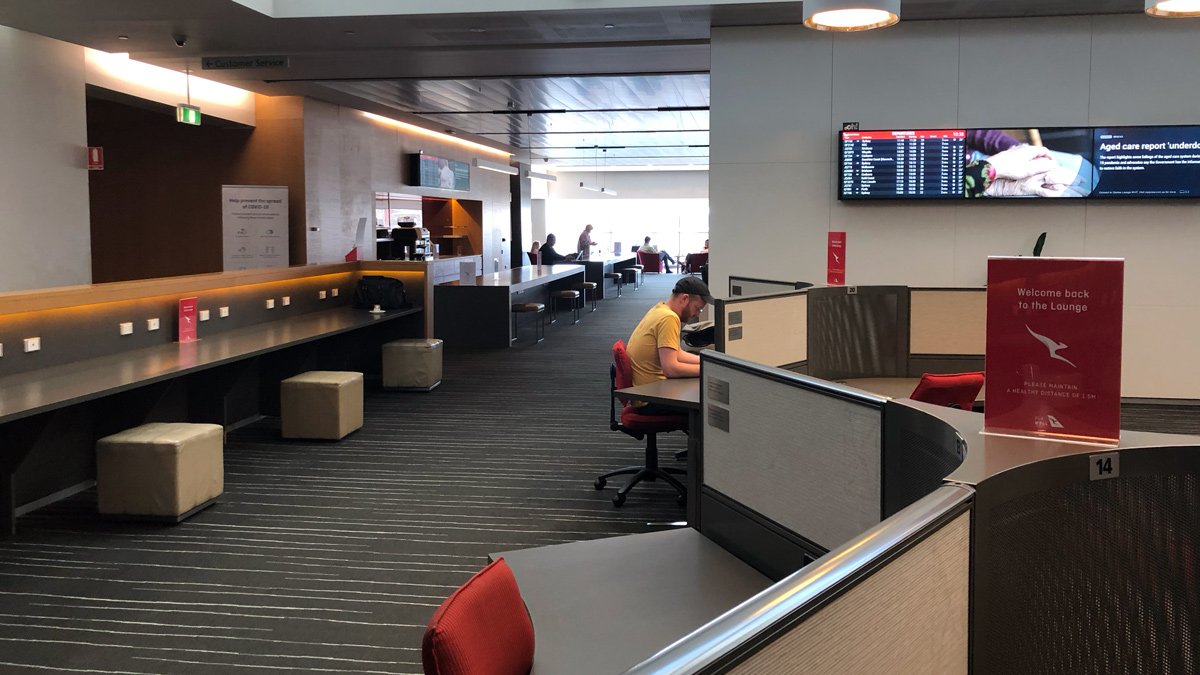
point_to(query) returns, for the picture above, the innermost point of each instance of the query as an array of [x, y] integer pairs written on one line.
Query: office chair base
[[642, 473]]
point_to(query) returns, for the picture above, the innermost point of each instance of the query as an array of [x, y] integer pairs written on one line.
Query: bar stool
[[633, 274], [588, 288], [618, 280], [536, 308], [573, 296]]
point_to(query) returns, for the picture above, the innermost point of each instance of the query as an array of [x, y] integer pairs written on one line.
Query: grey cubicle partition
[[793, 466], [1090, 568], [858, 331], [895, 598]]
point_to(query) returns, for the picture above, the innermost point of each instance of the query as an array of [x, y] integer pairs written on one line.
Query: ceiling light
[[1173, 9], [477, 30], [126, 37], [609, 26], [608, 191], [850, 15], [435, 134], [495, 166], [585, 186], [542, 176]]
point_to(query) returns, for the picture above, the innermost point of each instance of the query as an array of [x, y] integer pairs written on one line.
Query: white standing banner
[[254, 221]]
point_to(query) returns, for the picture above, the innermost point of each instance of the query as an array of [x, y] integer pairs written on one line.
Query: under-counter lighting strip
[[436, 134]]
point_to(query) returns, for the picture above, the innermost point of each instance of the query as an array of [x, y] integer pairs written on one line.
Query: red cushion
[[651, 261], [953, 389], [483, 628], [624, 365], [631, 420]]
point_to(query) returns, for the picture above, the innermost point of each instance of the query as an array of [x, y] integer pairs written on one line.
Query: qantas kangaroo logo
[[1053, 346]]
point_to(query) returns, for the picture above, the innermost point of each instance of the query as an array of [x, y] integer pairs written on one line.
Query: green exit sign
[[187, 114]]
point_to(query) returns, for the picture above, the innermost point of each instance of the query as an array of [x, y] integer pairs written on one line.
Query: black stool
[[633, 274], [618, 280], [573, 296], [536, 308], [588, 288]]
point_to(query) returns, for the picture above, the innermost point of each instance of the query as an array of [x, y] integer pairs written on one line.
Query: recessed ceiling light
[[122, 37], [609, 26]]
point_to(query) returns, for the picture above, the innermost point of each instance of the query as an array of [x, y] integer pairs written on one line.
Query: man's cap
[[693, 286]]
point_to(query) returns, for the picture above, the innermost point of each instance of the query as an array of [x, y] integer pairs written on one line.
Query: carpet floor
[[331, 557]]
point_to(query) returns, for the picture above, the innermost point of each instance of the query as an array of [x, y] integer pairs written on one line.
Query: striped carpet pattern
[[330, 557]]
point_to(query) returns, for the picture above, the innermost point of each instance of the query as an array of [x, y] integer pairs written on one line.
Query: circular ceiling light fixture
[[851, 15], [1173, 9]]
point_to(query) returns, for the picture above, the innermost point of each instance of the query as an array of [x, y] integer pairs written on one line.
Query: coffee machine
[[411, 243]]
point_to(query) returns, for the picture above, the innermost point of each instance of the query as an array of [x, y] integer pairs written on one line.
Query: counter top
[[58, 386], [518, 278]]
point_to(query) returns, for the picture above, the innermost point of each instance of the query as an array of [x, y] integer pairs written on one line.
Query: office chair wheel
[[618, 499], [600, 483]]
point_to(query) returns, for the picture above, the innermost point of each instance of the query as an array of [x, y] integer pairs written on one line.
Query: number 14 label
[[1104, 466]]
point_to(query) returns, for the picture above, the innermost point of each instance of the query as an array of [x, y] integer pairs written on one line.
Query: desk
[[65, 408], [481, 315], [684, 393]]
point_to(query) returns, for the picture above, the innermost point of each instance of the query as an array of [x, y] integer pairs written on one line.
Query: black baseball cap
[[693, 286]]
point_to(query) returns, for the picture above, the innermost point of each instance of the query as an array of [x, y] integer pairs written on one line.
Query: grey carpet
[[330, 557]]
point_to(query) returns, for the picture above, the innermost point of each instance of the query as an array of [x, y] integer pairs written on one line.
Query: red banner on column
[[836, 263], [1054, 348], [187, 319]]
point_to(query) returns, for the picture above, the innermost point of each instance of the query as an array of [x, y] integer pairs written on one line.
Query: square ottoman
[[167, 470], [321, 404]]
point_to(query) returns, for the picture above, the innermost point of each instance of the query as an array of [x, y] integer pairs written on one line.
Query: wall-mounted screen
[[1055, 162], [1148, 161], [438, 172], [966, 163]]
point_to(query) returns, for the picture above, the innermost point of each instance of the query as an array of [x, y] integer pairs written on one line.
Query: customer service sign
[[1054, 348]]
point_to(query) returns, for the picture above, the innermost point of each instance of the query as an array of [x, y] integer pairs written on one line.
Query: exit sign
[[187, 114]]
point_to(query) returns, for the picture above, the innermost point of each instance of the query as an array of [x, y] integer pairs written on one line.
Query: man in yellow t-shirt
[[654, 345]]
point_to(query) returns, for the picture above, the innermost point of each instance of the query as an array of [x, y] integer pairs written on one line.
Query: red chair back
[[624, 365], [956, 390], [696, 260], [483, 627], [651, 261]]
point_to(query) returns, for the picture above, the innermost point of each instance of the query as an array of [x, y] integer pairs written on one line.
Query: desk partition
[[793, 466], [746, 286], [947, 330], [770, 329]]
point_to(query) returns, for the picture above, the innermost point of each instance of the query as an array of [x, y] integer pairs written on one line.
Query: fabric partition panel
[[947, 321], [858, 331], [803, 458], [771, 330]]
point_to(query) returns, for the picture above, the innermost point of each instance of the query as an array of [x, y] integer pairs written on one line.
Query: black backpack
[[386, 292]]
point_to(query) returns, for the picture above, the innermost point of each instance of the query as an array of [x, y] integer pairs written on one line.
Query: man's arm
[[676, 363]]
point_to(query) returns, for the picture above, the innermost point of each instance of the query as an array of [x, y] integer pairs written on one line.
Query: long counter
[[480, 315]]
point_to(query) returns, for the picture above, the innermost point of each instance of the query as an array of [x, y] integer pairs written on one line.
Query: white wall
[[779, 94], [45, 232], [348, 157]]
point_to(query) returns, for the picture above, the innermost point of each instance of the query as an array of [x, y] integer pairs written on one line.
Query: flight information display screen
[[902, 164]]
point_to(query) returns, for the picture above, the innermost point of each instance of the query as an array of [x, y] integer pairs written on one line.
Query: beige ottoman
[[415, 365], [160, 470], [326, 404]]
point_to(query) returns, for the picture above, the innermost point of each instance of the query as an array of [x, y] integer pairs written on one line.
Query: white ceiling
[[611, 67]]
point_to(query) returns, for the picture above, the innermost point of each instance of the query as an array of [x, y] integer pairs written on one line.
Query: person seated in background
[[549, 255], [533, 252], [705, 246], [689, 263], [663, 256], [654, 347]]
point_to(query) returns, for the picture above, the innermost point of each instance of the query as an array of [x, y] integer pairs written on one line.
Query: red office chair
[[652, 262], [694, 262], [483, 628], [955, 390], [639, 426]]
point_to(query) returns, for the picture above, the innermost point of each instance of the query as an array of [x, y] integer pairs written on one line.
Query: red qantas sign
[[836, 263], [187, 319], [1054, 348]]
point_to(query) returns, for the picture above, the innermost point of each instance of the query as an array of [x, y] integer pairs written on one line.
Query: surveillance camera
[[180, 40]]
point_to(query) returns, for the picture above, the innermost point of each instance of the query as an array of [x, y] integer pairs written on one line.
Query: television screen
[[902, 164], [1148, 161], [439, 172], [1038, 162]]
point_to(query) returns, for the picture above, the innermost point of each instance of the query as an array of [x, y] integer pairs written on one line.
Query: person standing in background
[[583, 248]]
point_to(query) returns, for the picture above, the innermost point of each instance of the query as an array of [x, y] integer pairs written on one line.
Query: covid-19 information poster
[[835, 265], [254, 219], [1054, 348]]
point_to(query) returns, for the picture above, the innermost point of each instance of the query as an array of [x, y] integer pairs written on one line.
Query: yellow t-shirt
[[659, 328]]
